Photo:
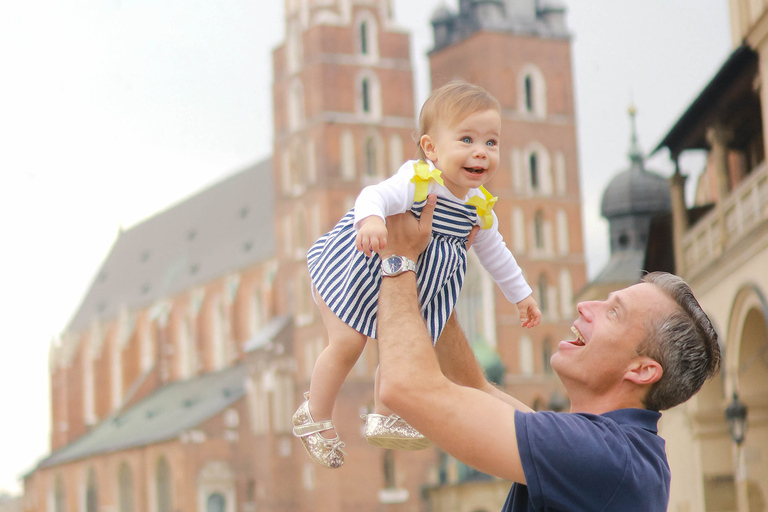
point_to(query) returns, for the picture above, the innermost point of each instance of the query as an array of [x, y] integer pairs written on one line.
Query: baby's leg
[[334, 363], [378, 407]]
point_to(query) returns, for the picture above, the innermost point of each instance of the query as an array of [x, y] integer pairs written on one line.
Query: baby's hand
[[372, 235], [530, 314]]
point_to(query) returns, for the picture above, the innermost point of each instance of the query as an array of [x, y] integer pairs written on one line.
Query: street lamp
[[736, 416]]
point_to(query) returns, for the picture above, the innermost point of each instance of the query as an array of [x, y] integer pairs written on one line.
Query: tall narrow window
[[546, 355], [528, 93], [533, 166], [163, 486], [91, 493], [538, 229], [543, 293], [59, 496], [216, 503], [370, 157], [125, 488], [364, 38], [389, 469], [366, 95]]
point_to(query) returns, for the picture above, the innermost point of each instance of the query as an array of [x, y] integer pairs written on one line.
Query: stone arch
[[746, 356], [216, 487]]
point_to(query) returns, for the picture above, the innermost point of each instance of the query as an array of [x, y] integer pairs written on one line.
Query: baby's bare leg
[[378, 407], [332, 366]]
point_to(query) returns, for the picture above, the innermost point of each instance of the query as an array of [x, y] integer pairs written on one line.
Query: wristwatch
[[396, 265]]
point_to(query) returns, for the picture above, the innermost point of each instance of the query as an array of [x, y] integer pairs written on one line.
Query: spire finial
[[634, 149]]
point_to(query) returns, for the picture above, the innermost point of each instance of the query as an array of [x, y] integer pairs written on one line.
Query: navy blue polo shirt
[[583, 462]]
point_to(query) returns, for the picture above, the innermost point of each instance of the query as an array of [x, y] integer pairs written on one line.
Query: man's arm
[[459, 365], [467, 423]]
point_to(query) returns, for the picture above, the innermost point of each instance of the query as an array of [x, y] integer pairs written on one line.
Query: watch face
[[394, 264]]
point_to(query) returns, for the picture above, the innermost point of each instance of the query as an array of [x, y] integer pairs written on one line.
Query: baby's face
[[467, 151]]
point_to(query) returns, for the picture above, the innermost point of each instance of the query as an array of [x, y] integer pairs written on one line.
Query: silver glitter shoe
[[326, 452], [393, 432]]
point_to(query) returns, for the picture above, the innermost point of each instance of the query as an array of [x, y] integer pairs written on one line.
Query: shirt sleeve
[[497, 259], [570, 461], [389, 197]]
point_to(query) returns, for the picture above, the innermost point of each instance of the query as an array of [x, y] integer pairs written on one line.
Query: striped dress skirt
[[348, 281]]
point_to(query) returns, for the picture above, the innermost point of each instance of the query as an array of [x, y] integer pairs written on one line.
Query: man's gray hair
[[684, 343]]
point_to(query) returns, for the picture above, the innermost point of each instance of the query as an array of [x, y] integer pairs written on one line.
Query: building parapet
[[726, 225]]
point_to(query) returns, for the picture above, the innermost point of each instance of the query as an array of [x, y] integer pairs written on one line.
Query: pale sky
[[111, 110]]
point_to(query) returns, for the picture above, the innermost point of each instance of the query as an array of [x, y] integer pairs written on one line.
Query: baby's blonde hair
[[452, 103]]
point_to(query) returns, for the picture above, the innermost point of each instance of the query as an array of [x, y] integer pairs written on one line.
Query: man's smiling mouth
[[579, 341]]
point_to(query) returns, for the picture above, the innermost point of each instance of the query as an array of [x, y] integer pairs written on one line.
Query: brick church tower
[[343, 118], [520, 51]]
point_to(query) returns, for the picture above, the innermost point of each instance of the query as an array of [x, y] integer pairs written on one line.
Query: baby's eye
[[466, 140], [491, 143]]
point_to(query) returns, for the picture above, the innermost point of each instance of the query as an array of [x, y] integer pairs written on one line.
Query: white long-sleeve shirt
[[395, 195]]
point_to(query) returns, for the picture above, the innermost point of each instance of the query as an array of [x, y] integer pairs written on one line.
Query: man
[[647, 348]]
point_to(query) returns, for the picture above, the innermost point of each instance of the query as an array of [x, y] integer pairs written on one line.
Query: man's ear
[[428, 147], [644, 371]]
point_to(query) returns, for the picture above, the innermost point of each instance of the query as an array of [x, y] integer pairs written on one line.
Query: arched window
[[395, 153], [256, 317], [216, 503], [370, 157], [566, 294], [546, 355], [366, 95], [163, 494], [538, 229], [125, 488], [543, 291], [533, 171], [532, 91], [364, 38], [219, 341], [91, 492], [186, 344], [528, 81], [59, 495], [347, 143], [295, 105], [563, 241], [367, 43], [525, 353]]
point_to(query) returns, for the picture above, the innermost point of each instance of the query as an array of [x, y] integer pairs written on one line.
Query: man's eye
[[613, 312], [466, 140]]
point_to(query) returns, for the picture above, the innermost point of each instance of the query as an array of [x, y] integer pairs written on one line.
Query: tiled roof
[[163, 416], [224, 228]]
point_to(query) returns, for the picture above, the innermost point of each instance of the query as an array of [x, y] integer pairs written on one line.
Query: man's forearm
[[408, 365]]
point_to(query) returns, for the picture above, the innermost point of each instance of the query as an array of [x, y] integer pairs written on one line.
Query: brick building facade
[[174, 384]]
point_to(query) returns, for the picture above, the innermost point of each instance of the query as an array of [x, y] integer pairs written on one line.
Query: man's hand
[[409, 236]]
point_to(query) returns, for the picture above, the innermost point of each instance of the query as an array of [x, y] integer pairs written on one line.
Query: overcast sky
[[111, 110]]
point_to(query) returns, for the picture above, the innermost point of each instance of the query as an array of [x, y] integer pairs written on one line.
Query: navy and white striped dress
[[348, 280]]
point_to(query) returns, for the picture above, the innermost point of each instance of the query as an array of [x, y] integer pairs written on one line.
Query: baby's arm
[[499, 262], [372, 235], [376, 202], [530, 314]]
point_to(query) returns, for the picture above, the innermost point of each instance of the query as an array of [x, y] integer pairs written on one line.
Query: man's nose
[[586, 309]]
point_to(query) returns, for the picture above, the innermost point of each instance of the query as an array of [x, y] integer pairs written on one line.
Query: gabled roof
[[163, 416], [222, 229]]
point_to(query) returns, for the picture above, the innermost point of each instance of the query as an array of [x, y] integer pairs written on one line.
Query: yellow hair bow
[[484, 207], [421, 178]]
